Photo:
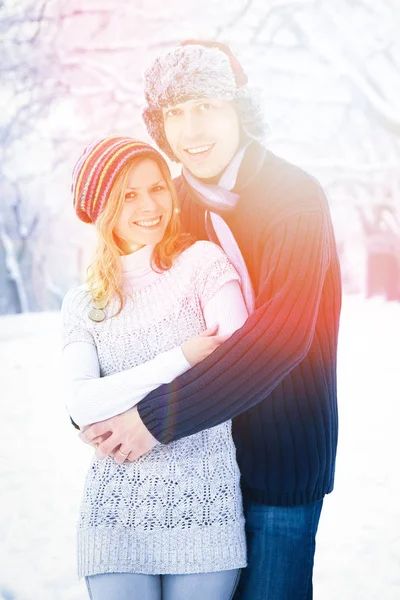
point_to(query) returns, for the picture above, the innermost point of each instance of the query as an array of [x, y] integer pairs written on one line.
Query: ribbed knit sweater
[[178, 508], [277, 374]]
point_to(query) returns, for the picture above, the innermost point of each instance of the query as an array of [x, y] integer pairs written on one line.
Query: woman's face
[[147, 208]]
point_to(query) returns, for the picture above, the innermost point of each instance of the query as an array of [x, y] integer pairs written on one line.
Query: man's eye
[[172, 112]]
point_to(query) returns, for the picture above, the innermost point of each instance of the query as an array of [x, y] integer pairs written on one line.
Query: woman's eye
[[130, 196], [205, 106], [172, 112], [158, 188]]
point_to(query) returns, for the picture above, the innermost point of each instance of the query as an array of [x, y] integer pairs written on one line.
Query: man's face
[[204, 135]]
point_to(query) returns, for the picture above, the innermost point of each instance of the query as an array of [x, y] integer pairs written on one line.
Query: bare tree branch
[[13, 270]]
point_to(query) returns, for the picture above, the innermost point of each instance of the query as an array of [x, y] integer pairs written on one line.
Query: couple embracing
[[200, 356]]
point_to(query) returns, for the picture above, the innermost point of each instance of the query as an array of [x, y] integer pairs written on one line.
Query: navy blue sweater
[[276, 376]]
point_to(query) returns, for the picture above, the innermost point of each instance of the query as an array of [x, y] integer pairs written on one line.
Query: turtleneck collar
[[136, 268]]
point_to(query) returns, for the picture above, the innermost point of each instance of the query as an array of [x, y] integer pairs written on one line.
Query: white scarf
[[221, 196]]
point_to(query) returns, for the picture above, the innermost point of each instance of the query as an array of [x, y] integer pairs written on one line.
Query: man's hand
[[124, 437], [198, 348]]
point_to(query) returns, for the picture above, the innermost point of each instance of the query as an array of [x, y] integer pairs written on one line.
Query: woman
[[170, 524]]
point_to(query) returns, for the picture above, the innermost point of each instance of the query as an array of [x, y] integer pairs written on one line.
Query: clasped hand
[[124, 437]]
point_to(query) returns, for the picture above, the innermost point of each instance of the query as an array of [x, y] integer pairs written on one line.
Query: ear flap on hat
[[154, 121], [250, 109]]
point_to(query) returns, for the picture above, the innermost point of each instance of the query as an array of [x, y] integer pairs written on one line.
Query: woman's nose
[[148, 203]]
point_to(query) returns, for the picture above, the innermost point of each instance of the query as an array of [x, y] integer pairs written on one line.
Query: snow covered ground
[[42, 464]]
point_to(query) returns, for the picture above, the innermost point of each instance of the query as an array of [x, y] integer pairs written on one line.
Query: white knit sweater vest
[[178, 508]]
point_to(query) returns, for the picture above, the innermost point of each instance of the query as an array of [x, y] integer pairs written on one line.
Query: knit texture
[[97, 170], [278, 372], [199, 71], [178, 508]]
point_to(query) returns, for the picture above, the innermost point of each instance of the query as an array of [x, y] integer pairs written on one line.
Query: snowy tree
[[27, 92], [73, 71]]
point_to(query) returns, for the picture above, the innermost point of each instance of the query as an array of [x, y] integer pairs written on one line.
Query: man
[[277, 375]]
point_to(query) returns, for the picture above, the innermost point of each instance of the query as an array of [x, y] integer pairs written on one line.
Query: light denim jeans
[[280, 552], [220, 585]]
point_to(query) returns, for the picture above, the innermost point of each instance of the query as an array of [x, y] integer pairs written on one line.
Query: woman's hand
[[198, 348], [124, 437]]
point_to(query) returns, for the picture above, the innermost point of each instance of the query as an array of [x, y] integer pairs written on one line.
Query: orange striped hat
[[97, 169]]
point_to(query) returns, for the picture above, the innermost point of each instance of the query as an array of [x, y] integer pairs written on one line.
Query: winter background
[[72, 71]]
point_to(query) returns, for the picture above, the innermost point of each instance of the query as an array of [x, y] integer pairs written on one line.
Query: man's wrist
[[152, 423]]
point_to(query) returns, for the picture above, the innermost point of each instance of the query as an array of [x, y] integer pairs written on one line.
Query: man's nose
[[191, 126]]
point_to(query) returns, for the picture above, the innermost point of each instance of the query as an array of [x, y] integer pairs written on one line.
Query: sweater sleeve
[[226, 308], [275, 338], [91, 398]]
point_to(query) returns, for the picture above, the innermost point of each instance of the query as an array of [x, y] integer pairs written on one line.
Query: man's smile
[[199, 149]]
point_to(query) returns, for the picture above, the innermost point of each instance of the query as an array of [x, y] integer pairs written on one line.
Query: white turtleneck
[[92, 398]]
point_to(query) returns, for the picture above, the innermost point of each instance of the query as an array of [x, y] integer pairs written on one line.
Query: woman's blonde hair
[[104, 274]]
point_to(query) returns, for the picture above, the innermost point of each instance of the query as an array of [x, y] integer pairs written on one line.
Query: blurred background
[[72, 71]]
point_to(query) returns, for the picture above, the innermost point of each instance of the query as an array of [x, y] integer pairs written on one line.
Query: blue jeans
[[220, 585], [280, 552]]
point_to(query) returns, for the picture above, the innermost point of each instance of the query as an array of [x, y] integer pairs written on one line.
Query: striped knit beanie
[[199, 69], [97, 169]]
